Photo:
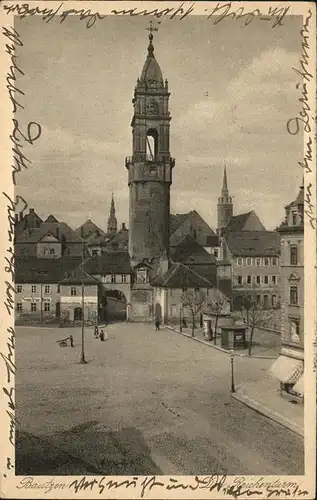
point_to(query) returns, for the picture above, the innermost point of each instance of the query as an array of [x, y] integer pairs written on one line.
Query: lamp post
[[232, 372], [82, 356]]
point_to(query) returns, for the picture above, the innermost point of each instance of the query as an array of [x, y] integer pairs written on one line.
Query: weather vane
[[151, 29]]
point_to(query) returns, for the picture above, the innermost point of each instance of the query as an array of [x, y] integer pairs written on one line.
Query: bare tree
[[194, 302], [217, 307], [253, 313]]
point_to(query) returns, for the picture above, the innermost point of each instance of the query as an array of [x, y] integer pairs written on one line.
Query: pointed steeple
[[225, 205], [112, 221], [225, 183]]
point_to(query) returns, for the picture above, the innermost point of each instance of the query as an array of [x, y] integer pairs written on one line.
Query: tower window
[[293, 295], [151, 145]]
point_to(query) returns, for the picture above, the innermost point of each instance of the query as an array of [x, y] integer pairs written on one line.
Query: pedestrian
[[157, 324], [102, 335], [71, 340], [96, 332]]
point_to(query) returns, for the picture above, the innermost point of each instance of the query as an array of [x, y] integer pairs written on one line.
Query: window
[[258, 280], [33, 306], [258, 299], [113, 278], [294, 330], [258, 261], [19, 306], [294, 255], [293, 295], [216, 252], [46, 251], [94, 253], [274, 280], [73, 291], [184, 290], [266, 280], [47, 289], [294, 218], [266, 261], [274, 261], [239, 280], [33, 289], [52, 251], [239, 261], [266, 301], [196, 289], [274, 300], [123, 278], [249, 261], [249, 280], [47, 306], [58, 289], [19, 288]]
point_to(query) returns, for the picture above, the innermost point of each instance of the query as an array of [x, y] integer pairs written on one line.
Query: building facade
[[255, 266], [289, 367]]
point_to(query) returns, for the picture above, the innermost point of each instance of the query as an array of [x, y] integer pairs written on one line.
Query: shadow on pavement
[[87, 449]]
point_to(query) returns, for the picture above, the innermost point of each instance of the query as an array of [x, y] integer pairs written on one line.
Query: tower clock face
[[152, 108]]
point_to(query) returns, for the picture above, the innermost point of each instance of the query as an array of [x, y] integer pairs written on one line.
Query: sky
[[232, 92]]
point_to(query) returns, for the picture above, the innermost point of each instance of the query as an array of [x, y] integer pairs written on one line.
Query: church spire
[[225, 205], [225, 183], [112, 221]]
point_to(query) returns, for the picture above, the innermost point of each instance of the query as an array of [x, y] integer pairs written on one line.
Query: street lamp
[[82, 356], [232, 372]]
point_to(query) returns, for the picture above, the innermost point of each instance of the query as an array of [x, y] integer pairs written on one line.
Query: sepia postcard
[[158, 242]]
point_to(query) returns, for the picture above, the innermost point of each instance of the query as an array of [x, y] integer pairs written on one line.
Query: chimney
[[21, 215], [31, 210], [123, 226], [82, 231]]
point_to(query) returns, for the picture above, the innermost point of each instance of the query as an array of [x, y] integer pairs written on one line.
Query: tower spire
[[225, 183], [112, 221]]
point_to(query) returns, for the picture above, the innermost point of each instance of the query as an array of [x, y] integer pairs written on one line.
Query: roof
[[176, 220], [188, 248], [253, 243], [89, 228], [213, 241], [299, 199], [96, 239], [180, 276], [78, 276], [109, 263], [60, 230], [237, 222], [51, 218], [207, 271], [121, 239], [34, 270], [151, 69]]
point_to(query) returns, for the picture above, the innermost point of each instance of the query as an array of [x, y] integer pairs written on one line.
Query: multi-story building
[[255, 267], [289, 366]]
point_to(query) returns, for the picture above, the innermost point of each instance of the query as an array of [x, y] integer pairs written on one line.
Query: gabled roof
[[51, 218], [176, 220], [238, 222], [180, 276], [253, 243], [35, 270], [49, 237], [109, 263], [121, 239], [88, 228], [60, 230]]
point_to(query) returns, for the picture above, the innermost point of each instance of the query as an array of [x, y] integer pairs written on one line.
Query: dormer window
[[294, 217]]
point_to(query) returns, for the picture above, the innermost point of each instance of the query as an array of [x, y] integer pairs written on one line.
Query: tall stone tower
[[112, 221], [225, 205], [150, 166]]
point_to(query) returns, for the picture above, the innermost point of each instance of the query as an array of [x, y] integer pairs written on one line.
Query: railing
[[140, 157]]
